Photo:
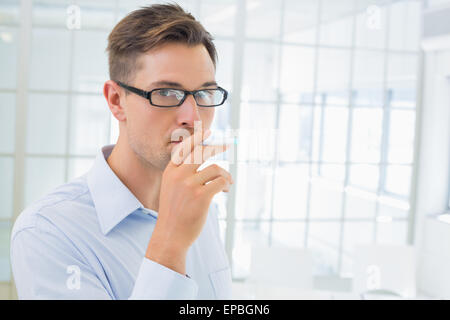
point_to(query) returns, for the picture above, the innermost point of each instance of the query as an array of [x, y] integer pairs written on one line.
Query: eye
[[205, 94], [164, 92], [172, 93]]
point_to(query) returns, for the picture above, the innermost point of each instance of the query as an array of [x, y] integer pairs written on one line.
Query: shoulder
[[61, 204]]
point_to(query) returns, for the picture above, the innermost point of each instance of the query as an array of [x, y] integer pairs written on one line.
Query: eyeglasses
[[168, 97]]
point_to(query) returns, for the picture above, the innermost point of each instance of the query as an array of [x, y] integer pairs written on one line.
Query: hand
[[185, 197]]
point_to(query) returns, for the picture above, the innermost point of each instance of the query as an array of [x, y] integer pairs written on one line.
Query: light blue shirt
[[87, 240]]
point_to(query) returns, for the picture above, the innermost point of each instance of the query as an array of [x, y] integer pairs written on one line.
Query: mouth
[[176, 141]]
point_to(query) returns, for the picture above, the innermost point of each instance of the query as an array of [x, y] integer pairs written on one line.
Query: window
[[339, 87]]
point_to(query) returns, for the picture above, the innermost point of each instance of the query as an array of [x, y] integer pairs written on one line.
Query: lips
[[175, 141]]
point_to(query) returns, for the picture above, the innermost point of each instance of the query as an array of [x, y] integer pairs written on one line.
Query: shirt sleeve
[[47, 265], [155, 281]]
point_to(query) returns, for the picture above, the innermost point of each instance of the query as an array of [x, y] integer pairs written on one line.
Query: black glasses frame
[[148, 95]]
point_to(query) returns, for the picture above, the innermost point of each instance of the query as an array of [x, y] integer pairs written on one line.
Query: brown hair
[[148, 28]]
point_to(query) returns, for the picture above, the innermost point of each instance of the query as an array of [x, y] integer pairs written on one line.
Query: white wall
[[431, 235]]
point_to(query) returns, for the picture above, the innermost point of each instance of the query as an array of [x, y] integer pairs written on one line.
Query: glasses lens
[[167, 97], [211, 97]]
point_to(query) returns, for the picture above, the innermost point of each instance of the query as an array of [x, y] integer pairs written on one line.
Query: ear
[[112, 93]]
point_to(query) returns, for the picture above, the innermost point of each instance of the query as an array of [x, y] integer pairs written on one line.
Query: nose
[[188, 113]]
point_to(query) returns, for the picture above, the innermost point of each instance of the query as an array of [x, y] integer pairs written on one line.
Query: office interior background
[[349, 197]]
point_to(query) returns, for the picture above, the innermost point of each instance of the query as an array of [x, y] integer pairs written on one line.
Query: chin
[[154, 159], [161, 160]]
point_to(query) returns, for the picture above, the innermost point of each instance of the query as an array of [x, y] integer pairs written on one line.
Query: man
[[138, 224]]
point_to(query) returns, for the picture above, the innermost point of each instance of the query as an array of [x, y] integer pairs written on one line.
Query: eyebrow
[[165, 83]]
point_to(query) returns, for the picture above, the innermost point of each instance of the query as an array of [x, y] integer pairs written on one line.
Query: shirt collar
[[113, 201]]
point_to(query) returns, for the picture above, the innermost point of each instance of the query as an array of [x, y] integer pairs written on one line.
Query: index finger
[[182, 150], [201, 153]]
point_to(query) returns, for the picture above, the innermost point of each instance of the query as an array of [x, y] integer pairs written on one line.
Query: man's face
[[149, 128]]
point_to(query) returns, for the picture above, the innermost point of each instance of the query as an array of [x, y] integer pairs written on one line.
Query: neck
[[142, 180]]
